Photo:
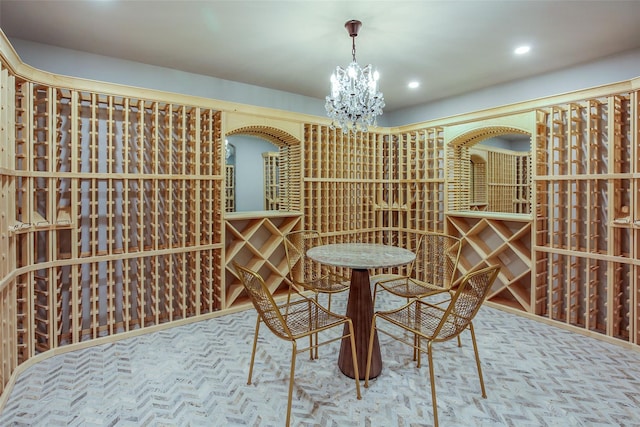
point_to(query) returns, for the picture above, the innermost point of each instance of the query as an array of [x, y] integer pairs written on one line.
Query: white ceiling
[[450, 46]]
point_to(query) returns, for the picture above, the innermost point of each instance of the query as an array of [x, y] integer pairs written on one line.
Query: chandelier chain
[[353, 48]]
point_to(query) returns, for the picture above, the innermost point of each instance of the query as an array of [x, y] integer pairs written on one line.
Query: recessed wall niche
[[289, 155], [254, 238], [489, 165]]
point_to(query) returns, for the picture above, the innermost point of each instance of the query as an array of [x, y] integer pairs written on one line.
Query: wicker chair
[[435, 323], [433, 270], [292, 322], [310, 275]]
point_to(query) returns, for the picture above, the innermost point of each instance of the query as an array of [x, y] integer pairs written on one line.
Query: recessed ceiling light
[[413, 85], [521, 50]]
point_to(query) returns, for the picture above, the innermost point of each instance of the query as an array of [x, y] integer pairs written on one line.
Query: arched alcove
[[289, 170], [490, 177]]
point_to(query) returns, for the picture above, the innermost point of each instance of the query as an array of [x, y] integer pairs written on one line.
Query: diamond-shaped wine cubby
[[254, 240], [498, 241]]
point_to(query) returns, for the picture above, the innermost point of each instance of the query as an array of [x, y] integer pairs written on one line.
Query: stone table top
[[361, 255]]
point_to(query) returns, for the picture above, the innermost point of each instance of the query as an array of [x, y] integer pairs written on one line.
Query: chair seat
[[424, 319], [410, 288], [328, 283], [297, 314], [432, 272]]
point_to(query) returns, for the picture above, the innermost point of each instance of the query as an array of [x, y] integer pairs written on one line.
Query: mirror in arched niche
[[247, 175], [266, 167], [490, 170]]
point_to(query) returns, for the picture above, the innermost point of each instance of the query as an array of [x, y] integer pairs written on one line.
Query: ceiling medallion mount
[[353, 27], [354, 102]]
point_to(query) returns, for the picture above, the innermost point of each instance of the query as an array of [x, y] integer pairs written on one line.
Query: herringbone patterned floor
[[195, 375]]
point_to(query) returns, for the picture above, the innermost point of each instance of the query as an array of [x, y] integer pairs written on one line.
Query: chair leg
[[459, 340], [475, 349], [291, 379], [375, 292], [417, 354], [370, 351], [291, 289], [433, 385], [315, 356], [311, 320], [253, 351], [289, 296], [355, 358]]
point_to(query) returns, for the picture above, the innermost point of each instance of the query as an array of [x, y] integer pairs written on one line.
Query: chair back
[[437, 257], [296, 245], [263, 301], [465, 302]]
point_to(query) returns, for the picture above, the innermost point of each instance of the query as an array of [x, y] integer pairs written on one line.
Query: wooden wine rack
[[492, 239], [585, 227], [271, 181], [374, 187], [499, 180], [254, 239], [117, 214], [341, 182], [230, 188]]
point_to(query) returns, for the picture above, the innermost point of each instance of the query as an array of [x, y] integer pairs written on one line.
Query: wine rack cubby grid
[[117, 214], [230, 188], [256, 241], [271, 180], [499, 241], [587, 258], [113, 207], [374, 187]]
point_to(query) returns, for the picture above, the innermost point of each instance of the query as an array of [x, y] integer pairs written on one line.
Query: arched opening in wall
[[490, 170], [281, 169]]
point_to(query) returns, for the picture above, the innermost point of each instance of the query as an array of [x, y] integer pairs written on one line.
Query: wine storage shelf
[[586, 225], [254, 239], [497, 240], [115, 215], [271, 174], [230, 188]]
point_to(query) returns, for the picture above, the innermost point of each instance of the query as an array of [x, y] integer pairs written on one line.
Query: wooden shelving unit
[[254, 239], [341, 182], [117, 204], [374, 187], [586, 269], [230, 188], [497, 239], [271, 179]]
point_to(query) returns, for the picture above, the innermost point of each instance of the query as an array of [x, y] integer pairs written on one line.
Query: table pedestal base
[[360, 310]]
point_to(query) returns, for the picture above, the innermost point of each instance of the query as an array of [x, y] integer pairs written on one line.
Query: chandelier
[[355, 101]]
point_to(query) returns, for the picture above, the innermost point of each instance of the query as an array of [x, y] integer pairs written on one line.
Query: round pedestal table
[[360, 257]]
